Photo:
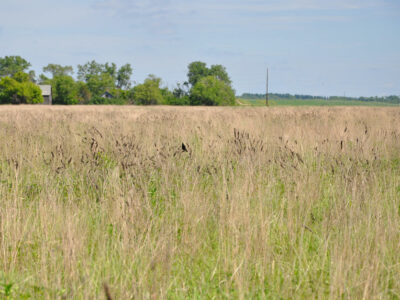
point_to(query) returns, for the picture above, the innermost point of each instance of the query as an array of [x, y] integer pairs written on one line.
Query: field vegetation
[[175, 202], [312, 102], [308, 100]]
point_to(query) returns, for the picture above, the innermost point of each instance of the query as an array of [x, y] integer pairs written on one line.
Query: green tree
[[27, 92], [19, 90], [9, 90], [212, 91], [9, 65], [124, 76], [43, 79], [21, 77], [196, 71], [148, 93], [111, 68], [98, 84], [104, 77], [65, 90], [31, 93], [32, 76], [220, 73], [89, 69], [58, 70], [84, 94], [178, 96]]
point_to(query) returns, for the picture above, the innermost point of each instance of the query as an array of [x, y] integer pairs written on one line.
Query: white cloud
[[168, 16], [165, 7]]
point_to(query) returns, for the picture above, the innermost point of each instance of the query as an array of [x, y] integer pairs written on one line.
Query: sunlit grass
[[166, 202]]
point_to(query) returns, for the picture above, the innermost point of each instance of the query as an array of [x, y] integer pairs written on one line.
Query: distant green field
[[313, 102]]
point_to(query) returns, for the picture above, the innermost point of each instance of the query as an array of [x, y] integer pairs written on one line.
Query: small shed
[[107, 95], [46, 93]]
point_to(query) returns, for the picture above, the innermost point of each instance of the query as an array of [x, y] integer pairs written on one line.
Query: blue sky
[[318, 47]]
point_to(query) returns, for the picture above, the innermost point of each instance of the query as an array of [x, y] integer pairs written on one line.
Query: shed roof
[[107, 94], [46, 90]]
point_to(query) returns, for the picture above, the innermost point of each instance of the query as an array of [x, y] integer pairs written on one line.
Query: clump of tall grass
[[166, 202]]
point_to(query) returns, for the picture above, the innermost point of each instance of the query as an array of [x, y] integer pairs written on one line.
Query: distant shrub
[[149, 92], [212, 91]]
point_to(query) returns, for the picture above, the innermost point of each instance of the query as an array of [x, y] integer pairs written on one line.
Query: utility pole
[[266, 94]]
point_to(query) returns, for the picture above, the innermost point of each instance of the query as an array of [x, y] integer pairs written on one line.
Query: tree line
[[275, 96], [97, 83]]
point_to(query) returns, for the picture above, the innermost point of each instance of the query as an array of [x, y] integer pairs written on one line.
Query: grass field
[[195, 202], [315, 102]]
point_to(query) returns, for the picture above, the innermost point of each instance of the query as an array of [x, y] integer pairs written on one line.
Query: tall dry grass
[[165, 202]]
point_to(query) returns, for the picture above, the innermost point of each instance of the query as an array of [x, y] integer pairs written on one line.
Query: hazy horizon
[[311, 47]]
